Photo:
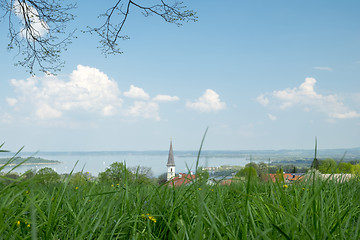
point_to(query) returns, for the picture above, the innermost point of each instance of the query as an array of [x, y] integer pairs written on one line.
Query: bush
[[47, 175]]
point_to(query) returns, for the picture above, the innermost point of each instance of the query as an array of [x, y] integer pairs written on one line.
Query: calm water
[[95, 162]]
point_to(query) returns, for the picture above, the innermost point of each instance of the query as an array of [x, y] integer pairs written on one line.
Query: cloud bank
[[87, 91], [91, 92], [306, 96]]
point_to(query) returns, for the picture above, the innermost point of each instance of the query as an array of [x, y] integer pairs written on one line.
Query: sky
[[260, 74]]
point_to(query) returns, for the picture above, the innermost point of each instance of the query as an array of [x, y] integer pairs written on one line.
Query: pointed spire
[[171, 161]]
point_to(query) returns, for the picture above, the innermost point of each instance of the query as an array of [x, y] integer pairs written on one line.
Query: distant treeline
[[324, 166]]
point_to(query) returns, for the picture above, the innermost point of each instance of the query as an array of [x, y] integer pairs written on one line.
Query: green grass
[[245, 210]]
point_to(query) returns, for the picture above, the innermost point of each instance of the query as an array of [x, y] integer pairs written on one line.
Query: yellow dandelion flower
[[76, 188], [28, 225], [152, 219], [199, 189], [112, 185], [117, 184], [303, 189], [148, 216], [285, 186], [212, 190]]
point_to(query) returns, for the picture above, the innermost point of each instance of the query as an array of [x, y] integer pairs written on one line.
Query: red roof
[[182, 179], [288, 177], [226, 182]]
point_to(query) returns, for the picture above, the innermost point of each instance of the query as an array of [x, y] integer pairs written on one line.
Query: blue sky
[[260, 74]]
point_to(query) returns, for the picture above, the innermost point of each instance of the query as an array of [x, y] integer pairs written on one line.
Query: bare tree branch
[[43, 35], [42, 23], [171, 11]]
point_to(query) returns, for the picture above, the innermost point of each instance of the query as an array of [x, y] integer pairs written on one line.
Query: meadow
[[31, 208], [121, 204]]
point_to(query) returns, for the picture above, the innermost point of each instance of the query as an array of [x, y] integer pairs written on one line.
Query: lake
[[96, 162]]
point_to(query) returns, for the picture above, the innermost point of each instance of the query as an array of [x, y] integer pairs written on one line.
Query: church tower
[[170, 164]]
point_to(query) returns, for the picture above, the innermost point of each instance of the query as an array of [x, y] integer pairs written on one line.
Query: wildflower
[[199, 189], [285, 186], [18, 223], [117, 184], [112, 185], [303, 189], [148, 216], [152, 219], [76, 188], [28, 225], [212, 190]]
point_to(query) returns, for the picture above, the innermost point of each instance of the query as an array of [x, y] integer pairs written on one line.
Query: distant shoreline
[[31, 161], [30, 164]]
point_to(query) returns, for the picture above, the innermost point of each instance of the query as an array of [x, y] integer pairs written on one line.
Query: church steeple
[[171, 163]]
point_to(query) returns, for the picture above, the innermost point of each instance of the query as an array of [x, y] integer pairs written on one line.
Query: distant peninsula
[[28, 161]]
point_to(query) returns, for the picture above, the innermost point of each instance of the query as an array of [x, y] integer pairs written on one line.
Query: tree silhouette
[[38, 28]]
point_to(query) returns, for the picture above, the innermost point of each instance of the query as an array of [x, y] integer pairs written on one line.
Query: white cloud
[[262, 100], [329, 69], [208, 102], [149, 110], [36, 27], [165, 98], [272, 117], [88, 89], [306, 96], [137, 93], [45, 111], [11, 101]]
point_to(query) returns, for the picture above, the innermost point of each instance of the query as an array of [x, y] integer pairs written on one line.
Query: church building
[[170, 164]]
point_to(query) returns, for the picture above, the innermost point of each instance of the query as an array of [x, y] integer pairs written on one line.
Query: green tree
[[140, 175], [78, 178], [344, 167], [327, 165], [116, 173], [356, 169], [162, 178], [248, 172], [47, 175]]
